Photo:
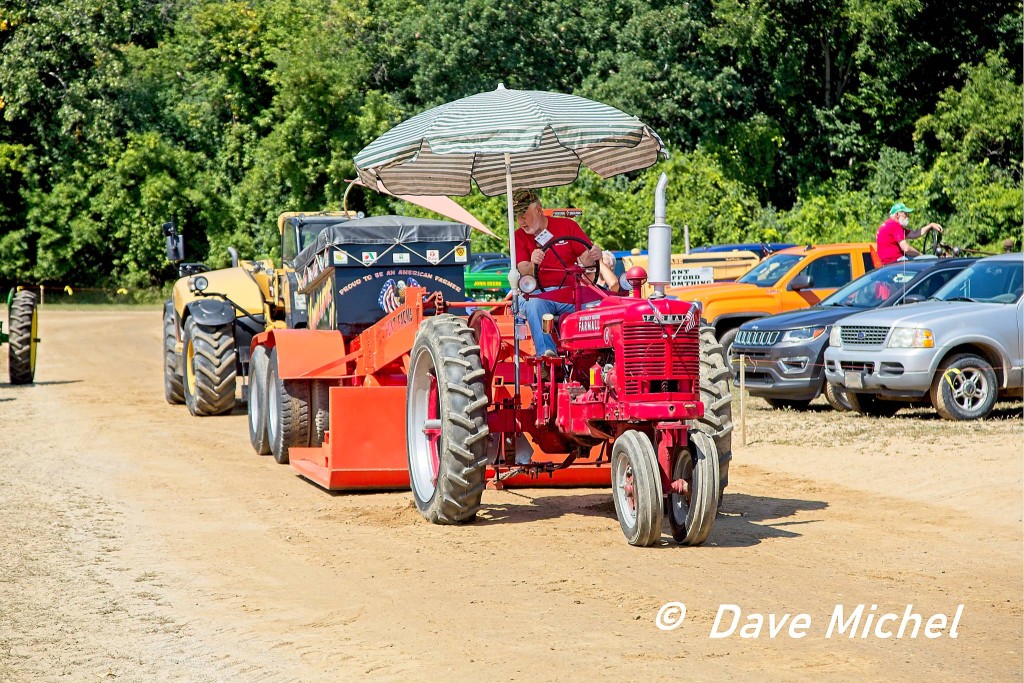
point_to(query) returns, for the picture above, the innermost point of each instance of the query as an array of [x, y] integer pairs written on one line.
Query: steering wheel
[[567, 272]]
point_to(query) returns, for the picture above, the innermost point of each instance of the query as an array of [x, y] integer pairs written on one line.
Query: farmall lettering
[[686, 321], [589, 323]]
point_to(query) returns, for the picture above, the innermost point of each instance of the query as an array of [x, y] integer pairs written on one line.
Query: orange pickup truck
[[787, 280]]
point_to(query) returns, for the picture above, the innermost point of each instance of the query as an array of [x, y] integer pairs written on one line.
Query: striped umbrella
[[505, 139], [535, 139]]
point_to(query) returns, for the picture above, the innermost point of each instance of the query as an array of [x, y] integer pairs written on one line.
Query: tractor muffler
[[659, 244]]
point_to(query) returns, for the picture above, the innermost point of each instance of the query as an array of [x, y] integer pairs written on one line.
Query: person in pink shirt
[[893, 240]]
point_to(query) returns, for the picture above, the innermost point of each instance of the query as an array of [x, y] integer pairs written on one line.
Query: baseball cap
[[900, 206], [521, 200]]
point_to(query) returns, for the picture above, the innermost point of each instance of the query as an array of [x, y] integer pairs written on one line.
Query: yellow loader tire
[[174, 387], [209, 359]]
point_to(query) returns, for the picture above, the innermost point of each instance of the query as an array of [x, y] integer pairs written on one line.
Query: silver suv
[[960, 350]]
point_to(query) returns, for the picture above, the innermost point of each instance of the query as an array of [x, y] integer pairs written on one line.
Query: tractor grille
[[863, 335], [648, 356], [756, 338]]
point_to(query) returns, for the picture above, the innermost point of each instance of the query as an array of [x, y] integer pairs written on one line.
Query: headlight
[[833, 337], [199, 283], [527, 284], [911, 338], [803, 334]]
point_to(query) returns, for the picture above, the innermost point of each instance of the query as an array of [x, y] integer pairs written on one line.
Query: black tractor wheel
[[287, 412], [716, 395], [726, 340], [636, 488], [174, 385], [319, 412], [869, 404], [257, 407], [209, 357], [965, 388], [446, 421], [24, 337], [692, 516], [837, 397], [786, 403]]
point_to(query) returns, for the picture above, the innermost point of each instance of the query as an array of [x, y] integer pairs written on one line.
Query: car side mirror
[[801, 281], [913, 299]]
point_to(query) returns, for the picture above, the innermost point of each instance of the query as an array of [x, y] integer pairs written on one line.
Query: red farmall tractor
[[398, 387]]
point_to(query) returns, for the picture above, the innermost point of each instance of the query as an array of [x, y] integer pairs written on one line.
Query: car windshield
[[994, 281], [768, 272], [489, 266], [870, 290]]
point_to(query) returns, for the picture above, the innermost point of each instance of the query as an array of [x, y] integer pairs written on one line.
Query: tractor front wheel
[[636, 488], [446, 421], [691, 516], [174, 387], [258, 436], [24, 336], [209, 361]]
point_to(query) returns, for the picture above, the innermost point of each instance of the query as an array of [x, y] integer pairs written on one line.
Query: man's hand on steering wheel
[[592, 249]]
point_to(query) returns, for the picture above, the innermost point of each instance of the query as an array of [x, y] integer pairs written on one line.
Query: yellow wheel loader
[[212, 315]]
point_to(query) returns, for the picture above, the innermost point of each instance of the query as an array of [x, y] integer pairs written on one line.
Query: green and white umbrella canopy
[[546, 136]]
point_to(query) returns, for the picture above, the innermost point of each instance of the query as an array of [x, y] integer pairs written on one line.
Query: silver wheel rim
[[272, 408], [970, 388], [420, 467], [622, 474], [254, 404]]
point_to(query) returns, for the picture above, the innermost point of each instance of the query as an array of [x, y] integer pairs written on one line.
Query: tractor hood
[[589, 328], [236, 283], [808, 317]]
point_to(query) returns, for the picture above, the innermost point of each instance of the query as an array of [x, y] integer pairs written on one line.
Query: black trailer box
[[358, 270]]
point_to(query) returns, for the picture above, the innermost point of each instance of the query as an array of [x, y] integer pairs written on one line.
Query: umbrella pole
[[513, 273]]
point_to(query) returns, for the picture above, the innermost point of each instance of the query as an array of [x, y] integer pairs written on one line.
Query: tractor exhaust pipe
[[659, 244]]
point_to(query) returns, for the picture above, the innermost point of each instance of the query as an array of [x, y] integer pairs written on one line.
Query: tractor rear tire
[[210, 358], [24, 332], [636, 488], [287, 412], [174, 385], [716, 395], [257, 407], [447, 397], [691, 519], [837, 397], [319, 412], [727, 340]]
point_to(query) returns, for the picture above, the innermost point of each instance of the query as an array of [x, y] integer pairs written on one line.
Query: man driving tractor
[[536, 231]]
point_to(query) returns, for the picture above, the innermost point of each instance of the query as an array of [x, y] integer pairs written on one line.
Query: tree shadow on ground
[[743, 521]]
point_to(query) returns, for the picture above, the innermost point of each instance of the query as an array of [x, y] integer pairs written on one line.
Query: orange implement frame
[[365, 445]]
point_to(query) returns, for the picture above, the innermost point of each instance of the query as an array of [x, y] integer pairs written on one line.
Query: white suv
[[960, 350]]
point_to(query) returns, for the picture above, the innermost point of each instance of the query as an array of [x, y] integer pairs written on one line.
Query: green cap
[[900, 206], [521, 200]]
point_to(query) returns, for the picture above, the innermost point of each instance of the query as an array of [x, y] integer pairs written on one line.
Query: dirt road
[[139, 543]]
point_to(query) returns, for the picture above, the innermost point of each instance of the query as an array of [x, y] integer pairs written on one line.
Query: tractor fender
[[210, 311], [305, 354]]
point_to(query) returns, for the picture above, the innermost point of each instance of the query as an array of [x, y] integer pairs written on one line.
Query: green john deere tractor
[[22, 337]]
